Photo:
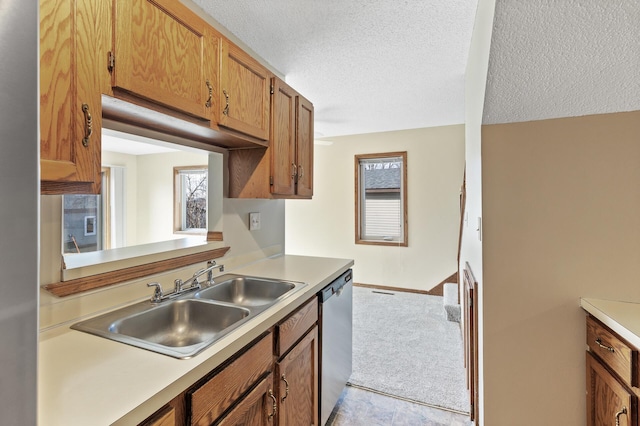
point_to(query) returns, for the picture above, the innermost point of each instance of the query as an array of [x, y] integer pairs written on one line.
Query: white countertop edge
[[621, 317], [173, 375]]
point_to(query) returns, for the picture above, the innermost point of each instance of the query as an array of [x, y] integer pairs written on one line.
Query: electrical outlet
[[254, 221]]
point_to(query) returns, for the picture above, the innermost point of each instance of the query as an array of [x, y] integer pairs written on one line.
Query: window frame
[[359, 186], [177, 201]]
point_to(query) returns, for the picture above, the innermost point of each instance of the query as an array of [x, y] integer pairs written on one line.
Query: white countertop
[[621, 317], [89, 380]]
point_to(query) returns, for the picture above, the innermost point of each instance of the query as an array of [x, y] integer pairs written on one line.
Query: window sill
[[89, 271], [383, 243]]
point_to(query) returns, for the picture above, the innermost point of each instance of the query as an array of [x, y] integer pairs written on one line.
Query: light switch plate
[[254, 221]]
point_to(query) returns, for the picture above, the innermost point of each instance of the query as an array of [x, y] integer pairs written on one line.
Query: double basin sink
[[184, 326]]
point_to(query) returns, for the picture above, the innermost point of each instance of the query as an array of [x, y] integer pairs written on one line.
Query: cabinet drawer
[[212, 398], [614, 352], [294, 327]]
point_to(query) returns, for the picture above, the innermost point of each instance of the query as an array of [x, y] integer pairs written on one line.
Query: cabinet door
[[297, 374], [165, 417], [160, 54], [304, 147], [256, 409], [244, 93], [283, 138], [608, 401], [71, 54]]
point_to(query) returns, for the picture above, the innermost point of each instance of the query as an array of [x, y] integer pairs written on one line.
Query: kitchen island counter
[[621, 317], [84, 379]]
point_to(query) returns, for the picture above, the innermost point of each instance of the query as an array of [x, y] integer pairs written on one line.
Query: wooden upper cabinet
[[304, 147], [291, 142], [244, 93], [73, 43], [285, 169], [165, 53], [283, 138]]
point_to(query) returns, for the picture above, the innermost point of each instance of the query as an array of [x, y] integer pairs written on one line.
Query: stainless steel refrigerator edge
[[19, 211], [336, 331]]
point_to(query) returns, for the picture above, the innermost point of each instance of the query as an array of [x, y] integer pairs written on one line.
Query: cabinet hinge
[[271, 180], [111, 62], [271, 91]]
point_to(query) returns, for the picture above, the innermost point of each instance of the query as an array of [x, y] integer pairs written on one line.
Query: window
[[85, 220], [381, 199], [190, 196]]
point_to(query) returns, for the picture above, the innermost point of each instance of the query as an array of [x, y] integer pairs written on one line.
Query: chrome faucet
[[211, 265], [180, 286], [158, 296]]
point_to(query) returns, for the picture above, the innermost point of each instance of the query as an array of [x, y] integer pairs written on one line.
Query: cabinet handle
[[88, 125], [208, 103], [225, 111], [294, 171], [608, 348], [619, 413], [300, 172], [286, 390], [275, 406]]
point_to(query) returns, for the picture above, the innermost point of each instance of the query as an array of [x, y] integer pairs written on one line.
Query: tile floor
[[359, 407]]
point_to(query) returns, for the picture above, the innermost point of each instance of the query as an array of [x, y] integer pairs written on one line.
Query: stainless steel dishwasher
[[336, 310]]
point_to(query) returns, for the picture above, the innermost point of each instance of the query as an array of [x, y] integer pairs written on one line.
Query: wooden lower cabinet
[[612, 371], [272, 381], [297, 372], [258, 408], [209, 399], [608, 401]]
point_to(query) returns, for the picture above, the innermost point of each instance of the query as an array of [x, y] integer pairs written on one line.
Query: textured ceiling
[[563, 58], [367, 66]]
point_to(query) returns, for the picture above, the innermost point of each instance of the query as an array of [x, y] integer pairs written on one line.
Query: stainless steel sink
[[246, 291], [190, 323], [179, 324]]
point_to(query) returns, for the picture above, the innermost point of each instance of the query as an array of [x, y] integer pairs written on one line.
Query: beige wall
[[325, 226], [561, 207], [154, 218]]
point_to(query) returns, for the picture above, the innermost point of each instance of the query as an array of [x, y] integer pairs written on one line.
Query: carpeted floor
[[404, 346]]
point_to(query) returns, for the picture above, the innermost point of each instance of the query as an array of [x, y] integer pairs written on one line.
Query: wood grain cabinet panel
[[608, 401], [244, 93], [297, 373], [210, 399], [258, 408], [164, 417], [304, 147], [74, 38], [296, 325], [613, 350], [291, 142], [285, 169], [283, 139], [165, 53]]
